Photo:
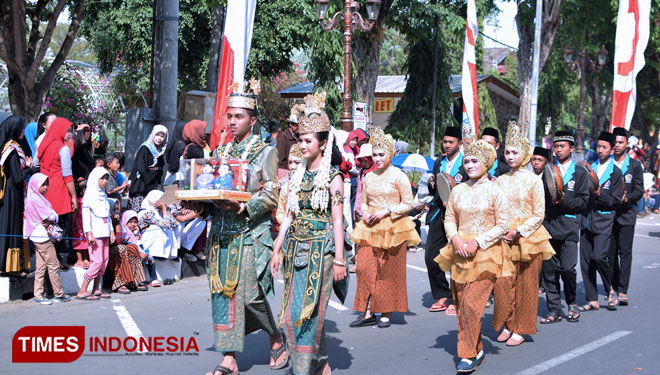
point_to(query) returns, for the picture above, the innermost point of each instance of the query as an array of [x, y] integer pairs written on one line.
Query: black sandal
[[553, 317], [588, 307], [623, 300], [275, 354], [573, 314], [224, 371]]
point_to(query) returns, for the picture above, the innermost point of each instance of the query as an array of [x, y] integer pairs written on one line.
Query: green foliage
[[487, 115], [279, 28], [271, 105], [393, 53]]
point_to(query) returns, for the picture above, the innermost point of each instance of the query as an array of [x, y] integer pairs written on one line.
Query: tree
[[525, 22], [24, 52]]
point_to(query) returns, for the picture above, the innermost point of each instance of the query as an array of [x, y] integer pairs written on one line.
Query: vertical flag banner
[[469, 75], [632, 36], [236, 41]]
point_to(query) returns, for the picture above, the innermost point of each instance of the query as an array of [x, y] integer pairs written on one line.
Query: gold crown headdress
[[314, 119], [379, 140], [296, 112], [483, 151], [245, 95], [295, 152], [514, 138]]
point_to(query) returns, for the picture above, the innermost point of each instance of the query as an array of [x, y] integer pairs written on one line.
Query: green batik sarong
[[308, 260], [247, 310]]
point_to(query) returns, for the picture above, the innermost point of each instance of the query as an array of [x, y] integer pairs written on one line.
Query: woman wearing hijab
[[55, 162], [148, 167], [477, 219], [31, 138], [194, 134], [383, 235], [83, 161], [174, 151], [159, 237], [14, 168]]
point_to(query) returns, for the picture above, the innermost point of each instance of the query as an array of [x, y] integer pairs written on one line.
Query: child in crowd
[[79, 241], [97, 224], [158, 237], [189, 230], [125, 260], [99, 162], [131, 237], [39, 215]]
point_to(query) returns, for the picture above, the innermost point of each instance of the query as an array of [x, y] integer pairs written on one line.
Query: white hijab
[[156, 151], [95, 197], [150, 199]]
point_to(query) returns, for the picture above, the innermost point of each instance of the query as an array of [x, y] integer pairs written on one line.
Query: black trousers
[[64, 222], [593, 258], [560, 266], [620, 256], [439, 284]]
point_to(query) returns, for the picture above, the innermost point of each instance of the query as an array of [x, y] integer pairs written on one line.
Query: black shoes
[[361, 322], [383, 322]]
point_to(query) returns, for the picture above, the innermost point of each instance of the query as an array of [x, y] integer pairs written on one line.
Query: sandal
[[122, 290], [102, 295], [623, 299], [222, 370], [89, 297], [275, 354], [588, 307], [438, 306], [451, 310], [142, 288], [154, 283], [573, 314], [612, 300], [553, 317]]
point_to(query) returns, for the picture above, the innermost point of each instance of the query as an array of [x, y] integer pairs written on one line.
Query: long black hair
[[41, 123], [335, 159]]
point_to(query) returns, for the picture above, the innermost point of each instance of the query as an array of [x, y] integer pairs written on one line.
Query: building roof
[[494, 57], [394, 86]]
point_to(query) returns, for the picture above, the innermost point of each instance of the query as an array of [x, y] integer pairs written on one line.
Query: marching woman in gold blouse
[[383, 237], [516, 297], [476, 220]]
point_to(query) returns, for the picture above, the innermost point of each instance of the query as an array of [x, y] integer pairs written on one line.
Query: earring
[[322, 148]]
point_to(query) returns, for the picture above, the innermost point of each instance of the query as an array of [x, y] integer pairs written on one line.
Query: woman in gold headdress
[[383, 236], [476, 220], [516, 297], [311, 238], [293, 162]]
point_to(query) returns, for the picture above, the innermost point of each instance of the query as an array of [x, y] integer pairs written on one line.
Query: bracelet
[[339, 263]]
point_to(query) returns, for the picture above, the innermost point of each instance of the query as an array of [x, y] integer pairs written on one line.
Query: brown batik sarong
[[470, 300], [381, 279], [127, 266]]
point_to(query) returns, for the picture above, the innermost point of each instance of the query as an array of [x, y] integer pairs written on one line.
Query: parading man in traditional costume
[[540, 158], [452, 164], [240, 244], [620, 254]]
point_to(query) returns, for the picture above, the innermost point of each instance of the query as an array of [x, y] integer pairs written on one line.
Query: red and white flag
[[632, 36], [469, 75], [235, 51]]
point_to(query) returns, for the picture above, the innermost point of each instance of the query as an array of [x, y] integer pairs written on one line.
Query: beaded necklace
[[245, 154]]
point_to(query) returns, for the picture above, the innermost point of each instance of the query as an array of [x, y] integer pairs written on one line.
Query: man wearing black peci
[[623, 230], [492, 136], [452, 164], [597, 229], [563, 222], [541, 158]]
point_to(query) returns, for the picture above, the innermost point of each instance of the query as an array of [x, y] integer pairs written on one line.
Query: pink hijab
[[37, 207], [127, 235]]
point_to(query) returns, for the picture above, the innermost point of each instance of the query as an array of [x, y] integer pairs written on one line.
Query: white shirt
[[39, 233], [450, 163], [603, 167], [564, 167], [99, 226]]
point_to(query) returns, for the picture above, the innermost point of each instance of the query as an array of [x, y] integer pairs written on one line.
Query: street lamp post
[[584, 64], [352, 19]]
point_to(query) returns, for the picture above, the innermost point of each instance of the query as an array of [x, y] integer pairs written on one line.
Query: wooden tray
[[211, 195]]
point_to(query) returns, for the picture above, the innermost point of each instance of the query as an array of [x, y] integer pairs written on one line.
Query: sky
[[503, 27]]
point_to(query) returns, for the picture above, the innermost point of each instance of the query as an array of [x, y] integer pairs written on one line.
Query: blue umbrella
[[413, 162]]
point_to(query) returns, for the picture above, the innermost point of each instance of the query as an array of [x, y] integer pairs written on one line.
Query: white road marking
[[547, 365], [331, 303], [126, 319], [651, 225], [645, 236], [416, 268]]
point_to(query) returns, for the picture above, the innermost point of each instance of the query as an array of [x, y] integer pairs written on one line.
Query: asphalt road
[[623, 341]]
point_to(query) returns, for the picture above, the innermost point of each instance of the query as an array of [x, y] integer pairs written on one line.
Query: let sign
[[385, 105]]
